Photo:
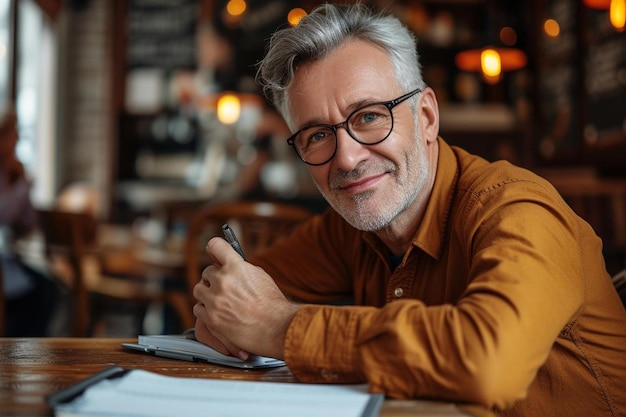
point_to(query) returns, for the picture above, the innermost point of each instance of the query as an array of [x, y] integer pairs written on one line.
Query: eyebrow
[[349, 109]]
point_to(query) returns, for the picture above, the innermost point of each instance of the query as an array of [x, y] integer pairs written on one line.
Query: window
[[5, 53], [35, 102]]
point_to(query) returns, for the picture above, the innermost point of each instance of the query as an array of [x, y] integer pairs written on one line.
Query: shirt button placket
[[329, 375]]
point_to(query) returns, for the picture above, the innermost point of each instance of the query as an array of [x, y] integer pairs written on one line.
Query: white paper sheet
[[142, 393]]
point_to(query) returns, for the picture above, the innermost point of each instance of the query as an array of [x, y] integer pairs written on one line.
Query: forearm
[[471, 352]]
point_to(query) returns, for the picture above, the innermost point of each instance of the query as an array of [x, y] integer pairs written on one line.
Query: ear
[[428, 113]]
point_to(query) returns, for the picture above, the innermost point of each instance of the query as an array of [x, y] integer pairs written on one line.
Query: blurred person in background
[[31, 296]]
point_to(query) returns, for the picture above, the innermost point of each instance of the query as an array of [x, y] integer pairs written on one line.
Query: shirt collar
[[430, 234]]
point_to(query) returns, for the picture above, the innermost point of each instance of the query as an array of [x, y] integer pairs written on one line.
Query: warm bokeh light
[[551, 28], [617, 14], [508, 36], [236, 7], [491, 64], [597, 4], [294, 16], [228, 109], [616, 8]]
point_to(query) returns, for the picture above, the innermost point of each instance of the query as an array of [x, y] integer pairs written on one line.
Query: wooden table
[[32, 368]]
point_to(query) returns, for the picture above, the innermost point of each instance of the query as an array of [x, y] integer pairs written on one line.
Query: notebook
[[185, 347], [118, 392]]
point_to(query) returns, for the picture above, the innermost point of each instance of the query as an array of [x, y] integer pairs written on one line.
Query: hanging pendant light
[[228, 108], [491, 64], [491, 61], [617, 14], [597, 4]]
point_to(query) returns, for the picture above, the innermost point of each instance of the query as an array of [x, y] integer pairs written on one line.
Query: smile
[[361, 185]]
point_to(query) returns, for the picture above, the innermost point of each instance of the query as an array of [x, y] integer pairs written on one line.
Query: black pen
[[229, 235]]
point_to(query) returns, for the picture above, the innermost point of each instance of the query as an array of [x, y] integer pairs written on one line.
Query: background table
[[32, 368]]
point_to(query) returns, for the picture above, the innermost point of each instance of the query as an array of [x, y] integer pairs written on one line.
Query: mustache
[[364, 169]]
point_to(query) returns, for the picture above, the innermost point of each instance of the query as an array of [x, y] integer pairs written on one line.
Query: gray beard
[[368, 222]]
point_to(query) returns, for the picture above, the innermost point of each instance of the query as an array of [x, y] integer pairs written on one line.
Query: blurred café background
[[141, 113]]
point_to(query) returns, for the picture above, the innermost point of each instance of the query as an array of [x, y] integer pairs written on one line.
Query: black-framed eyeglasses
[[369, 125]]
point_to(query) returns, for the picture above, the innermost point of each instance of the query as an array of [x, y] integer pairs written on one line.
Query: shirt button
[[398, 292], [329, 375]]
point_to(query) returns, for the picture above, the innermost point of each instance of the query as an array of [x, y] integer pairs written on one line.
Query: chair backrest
[[70, 235], [619, 281], [256, 224], [3, 313]]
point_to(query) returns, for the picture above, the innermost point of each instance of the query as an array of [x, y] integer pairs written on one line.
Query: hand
[[205, 335], [240, 306]]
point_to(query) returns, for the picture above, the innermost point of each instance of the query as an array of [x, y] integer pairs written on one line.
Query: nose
[[349, 151]]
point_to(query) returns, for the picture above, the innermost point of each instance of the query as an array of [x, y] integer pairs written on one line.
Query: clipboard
[[76, 390]]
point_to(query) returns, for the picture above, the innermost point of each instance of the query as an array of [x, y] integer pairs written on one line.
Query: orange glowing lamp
[[228, 109], [491, 62], [295, 15], [617, 14]]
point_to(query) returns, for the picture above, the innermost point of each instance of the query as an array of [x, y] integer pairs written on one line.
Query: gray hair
[[321, 32]]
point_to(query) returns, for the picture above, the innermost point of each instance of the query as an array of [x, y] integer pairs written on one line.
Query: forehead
[[354, 72]]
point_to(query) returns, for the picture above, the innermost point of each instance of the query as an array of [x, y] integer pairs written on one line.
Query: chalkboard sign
[[605, 82], [560, 111], [559, 81], [161, 34]]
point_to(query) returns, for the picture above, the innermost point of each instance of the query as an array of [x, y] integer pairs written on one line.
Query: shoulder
[[480, 179]]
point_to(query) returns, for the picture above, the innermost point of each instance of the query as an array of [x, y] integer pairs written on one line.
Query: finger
[[204, 335], [221, 251], [200, 292], [232, 348], [213, 338], [207, 274]]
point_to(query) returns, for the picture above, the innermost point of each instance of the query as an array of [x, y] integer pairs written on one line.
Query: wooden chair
[[256, 224], [619, 281], [3, 312], [70, 240]]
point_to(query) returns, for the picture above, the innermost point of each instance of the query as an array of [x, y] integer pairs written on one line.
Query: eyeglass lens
[[369, 125]]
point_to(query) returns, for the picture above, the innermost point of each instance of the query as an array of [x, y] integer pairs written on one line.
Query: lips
[[360, 185], [363, 178]]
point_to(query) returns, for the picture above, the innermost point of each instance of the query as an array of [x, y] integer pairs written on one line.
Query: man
[[470, 281]]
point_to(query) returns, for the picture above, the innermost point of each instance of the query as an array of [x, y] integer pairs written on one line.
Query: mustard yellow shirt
[[503, 299]]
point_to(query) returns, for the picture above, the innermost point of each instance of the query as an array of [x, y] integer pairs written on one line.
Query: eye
[[315, 136], [368, 117]]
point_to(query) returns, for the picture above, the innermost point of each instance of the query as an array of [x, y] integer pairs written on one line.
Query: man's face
[[369, 185]]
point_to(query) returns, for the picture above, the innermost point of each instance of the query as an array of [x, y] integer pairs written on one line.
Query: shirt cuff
[[320, 345]]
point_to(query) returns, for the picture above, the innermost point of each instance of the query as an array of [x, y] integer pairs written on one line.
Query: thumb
[[221, 251]]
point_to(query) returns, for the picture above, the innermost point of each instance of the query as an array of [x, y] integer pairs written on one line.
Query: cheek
[[320, 176], [395, 148]]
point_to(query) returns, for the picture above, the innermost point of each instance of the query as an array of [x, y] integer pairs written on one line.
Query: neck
[[398, 236]]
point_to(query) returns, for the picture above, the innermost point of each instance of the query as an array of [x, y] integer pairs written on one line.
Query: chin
[[366, 214]]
